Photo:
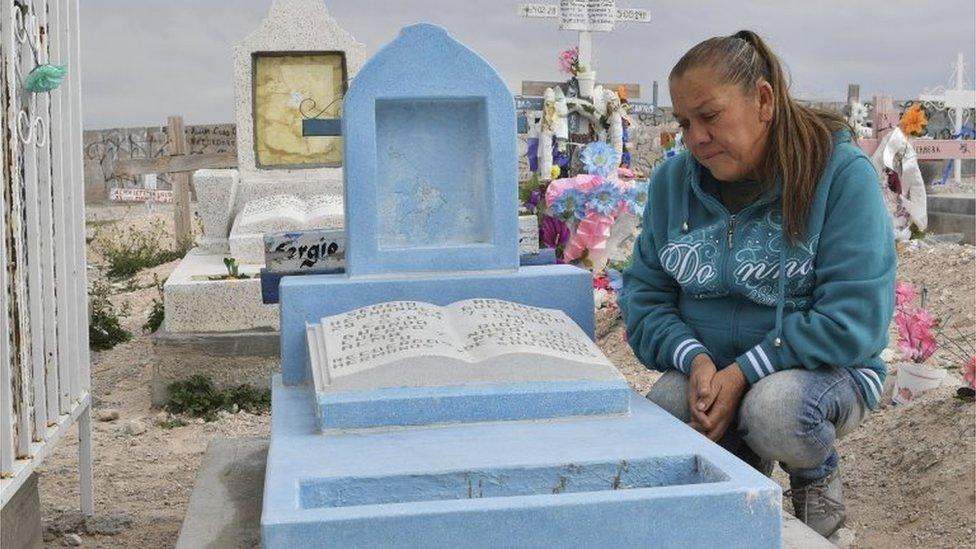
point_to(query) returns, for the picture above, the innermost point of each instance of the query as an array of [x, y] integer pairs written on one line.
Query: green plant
[[232, 269], [197, 396], [104, 326], [127, 254], [157, 312], [172, 423]]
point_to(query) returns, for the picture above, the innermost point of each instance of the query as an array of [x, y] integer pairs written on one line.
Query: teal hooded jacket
[[703, 280]]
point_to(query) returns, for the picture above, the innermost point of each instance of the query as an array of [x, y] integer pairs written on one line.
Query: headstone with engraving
[[436, 394]]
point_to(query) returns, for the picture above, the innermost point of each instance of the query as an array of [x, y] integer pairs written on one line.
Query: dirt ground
[[908, 471]]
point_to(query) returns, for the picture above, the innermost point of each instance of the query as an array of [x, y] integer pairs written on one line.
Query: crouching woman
[[762, 284]]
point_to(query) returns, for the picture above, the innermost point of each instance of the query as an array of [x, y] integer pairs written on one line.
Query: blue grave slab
[[639, 480], [309, 298], [430, 160]]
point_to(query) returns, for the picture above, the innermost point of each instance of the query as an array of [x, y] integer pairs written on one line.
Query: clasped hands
[[714, 395]]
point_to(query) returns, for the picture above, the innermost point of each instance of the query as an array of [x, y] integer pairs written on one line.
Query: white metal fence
[[44, 360]]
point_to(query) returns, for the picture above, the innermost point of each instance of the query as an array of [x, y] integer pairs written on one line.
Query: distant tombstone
[[429, 192]]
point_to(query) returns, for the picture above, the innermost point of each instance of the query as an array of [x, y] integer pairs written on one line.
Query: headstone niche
[[426, 453]]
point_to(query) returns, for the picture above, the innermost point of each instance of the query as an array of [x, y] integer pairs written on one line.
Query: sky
[[144, 60]]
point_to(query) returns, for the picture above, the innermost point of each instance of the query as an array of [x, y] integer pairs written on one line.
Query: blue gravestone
[[431, 202]]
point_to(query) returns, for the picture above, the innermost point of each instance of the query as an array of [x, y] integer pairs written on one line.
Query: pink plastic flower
[[969, 373], [568, 60], [590, 239], [904, 293], [915, 338]]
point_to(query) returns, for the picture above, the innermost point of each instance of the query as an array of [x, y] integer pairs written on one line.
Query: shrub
[[158, 312], [137, 250], [104, 326], [197, 396]]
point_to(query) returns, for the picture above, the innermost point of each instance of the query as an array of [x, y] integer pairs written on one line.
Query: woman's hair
[[801, 138]]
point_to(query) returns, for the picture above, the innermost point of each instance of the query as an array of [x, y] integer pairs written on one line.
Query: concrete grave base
[[619, 481], [225, 506], [195, 303], [953, 213], [20, 518], [229, 359]]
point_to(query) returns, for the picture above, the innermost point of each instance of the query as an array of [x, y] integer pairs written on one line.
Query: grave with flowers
[[529, 449]]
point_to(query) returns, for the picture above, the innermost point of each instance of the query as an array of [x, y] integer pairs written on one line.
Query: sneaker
[[819, 503]]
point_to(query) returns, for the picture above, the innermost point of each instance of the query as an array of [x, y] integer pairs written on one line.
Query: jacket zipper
[[731, 228]]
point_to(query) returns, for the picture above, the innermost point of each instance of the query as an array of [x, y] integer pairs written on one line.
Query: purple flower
[[533, 201], [553, 232]]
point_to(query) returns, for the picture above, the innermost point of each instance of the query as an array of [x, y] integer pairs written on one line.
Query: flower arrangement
[[915, 337], [584, 209], [569, 62], [914, 121]]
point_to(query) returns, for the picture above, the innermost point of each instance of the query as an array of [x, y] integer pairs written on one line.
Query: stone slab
[[229, 359], [270, 280], [947, 223], [625, 481], [414, 212], [309, 298], [20, 518], [400, 406], [194, 303], [216, 194], [962, 204], [225, 505]]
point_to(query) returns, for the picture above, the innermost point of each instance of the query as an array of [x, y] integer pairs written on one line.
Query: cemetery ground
[[908, 471]]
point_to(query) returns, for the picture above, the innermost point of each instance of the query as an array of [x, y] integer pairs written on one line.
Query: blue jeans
[[791, 416]]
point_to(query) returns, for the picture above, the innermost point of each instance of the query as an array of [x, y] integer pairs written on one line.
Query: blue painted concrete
[[430, 160], [309, 298], [270, 280], [403, 406], [540, 484]]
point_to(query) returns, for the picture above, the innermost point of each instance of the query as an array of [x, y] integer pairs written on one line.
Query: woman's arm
[[649, 299]]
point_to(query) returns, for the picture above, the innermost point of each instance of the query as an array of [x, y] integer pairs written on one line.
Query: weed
[[130, 253], [157, 312], [104, 327], [172, 423], [197, 396]]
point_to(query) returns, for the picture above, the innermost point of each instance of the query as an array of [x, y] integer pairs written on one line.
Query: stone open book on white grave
[[413, 343], [277, 213]]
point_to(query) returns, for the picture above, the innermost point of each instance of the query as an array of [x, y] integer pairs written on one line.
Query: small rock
[[224, 414], [134, 427], [843, 538], [160, 418], [199, 421], [107, 414], [234, 408], [73, 540]]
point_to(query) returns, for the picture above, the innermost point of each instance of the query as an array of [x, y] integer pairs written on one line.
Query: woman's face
[[723, 126]]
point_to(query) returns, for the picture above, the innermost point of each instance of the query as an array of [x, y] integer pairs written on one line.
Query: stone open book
[[413, 343]]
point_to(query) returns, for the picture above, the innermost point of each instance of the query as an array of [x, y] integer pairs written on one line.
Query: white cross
[[585, 17], [954, 100]]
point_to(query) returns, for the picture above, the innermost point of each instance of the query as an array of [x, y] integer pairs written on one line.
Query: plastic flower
[[969, 373], [44, 78], [636, 197], [555, 171], [600, 158], [601, 282], [569, 61], [553, 232], [616, 279], [915, 337], [904, 293], [571, 203], [589, 242], [604, 199], [913, 122]]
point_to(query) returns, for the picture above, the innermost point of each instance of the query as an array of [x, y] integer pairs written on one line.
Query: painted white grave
[[956, 100], [297, 55]]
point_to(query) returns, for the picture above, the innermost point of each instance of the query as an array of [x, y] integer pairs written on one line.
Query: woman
[[772, 367]]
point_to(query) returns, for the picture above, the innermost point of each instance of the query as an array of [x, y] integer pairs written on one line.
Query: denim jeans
[[791, 416]]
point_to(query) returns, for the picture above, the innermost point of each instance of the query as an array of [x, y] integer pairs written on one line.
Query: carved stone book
[[413, 343]]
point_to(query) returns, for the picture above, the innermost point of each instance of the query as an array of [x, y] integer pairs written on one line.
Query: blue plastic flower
[[572, 203], [636, 197], [616, 279], [600, 158], [604, 199]]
